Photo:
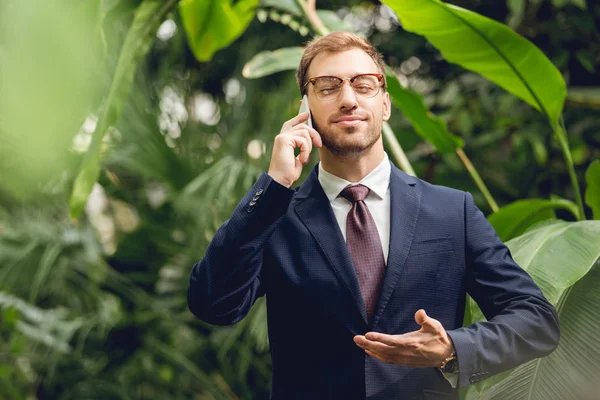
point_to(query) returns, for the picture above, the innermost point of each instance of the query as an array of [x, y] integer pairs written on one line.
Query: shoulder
[[430, 191]]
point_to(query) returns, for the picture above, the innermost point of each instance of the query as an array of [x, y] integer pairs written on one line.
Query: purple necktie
[[364, 244]]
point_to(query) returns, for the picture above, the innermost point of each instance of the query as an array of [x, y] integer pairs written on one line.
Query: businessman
[[365, 269]]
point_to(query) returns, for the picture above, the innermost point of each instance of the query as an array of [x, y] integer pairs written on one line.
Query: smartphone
[[304, 107]]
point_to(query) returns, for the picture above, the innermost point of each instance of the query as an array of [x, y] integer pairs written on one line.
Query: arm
[[521, 324], [226, 282]]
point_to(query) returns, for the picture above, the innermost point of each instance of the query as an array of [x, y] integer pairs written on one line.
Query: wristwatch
[[450, 364]]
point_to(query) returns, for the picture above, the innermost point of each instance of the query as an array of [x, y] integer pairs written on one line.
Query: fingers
[[297, 123], [315, 136], [298, 119], [383, 338], [372, 346], [305, 146], [310, 136], [390, 354]]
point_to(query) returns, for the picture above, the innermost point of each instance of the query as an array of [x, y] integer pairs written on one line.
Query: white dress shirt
[[378, 201]]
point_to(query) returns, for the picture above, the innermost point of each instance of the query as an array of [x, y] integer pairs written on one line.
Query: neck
[[352, 167]]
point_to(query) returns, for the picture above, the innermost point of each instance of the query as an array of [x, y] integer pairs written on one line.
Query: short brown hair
[[335, 42]]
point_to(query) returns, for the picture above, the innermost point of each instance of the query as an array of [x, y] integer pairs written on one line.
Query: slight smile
[[349, 121]]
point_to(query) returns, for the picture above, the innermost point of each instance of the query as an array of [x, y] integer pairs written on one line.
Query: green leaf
[[54, 69], [592, 192], [427, 125], [563, 3], [512, 220], [562, 258], [579, 3], [269, 62], [489, 48], [333, 22], [584, 96], [517, 12], [290, 6], [587, 60], [211, 25], [140, 37]]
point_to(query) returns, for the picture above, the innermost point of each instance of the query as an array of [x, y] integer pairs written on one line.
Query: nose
[[347, 98]]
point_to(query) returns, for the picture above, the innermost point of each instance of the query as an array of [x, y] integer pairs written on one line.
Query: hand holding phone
[[296, 133]]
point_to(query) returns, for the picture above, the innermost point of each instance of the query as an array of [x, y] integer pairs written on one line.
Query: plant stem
[[397, 152], [478, 181], [309, 8], [561, 134]]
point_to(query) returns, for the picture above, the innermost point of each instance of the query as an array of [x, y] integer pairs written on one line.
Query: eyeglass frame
[[380, 79]]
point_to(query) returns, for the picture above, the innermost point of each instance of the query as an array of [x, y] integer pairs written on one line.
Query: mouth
[[349, 121]]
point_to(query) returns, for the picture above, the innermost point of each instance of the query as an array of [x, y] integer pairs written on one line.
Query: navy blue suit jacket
[[286, 243]]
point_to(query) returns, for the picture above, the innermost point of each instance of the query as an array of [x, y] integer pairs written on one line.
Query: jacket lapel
[[404, 210], [313, 208]]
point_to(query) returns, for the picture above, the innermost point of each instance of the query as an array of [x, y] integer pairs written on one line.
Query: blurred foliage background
[[95, 307]]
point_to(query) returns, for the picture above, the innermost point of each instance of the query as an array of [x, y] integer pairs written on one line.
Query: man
[[365, 268]]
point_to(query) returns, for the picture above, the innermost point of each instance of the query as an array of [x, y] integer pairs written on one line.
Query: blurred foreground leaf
[[49, 81], [140, 37], [211, 25]]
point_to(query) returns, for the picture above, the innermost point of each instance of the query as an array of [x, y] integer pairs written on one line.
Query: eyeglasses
[[329, 87]]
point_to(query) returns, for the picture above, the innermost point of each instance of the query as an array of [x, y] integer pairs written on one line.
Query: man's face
[[350, 124]]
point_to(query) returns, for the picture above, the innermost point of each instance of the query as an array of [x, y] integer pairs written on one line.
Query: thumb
[[427, 323], [425, 320]]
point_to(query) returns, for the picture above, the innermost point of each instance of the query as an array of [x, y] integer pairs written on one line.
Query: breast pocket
[[432, 246]]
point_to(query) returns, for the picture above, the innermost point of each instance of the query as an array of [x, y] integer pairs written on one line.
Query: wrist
[[279, 179], [450, 363]]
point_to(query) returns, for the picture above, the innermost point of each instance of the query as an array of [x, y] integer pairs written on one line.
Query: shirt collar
[[377, 180]]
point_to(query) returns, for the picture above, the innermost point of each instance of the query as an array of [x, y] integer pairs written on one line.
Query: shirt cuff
[[451, 377]]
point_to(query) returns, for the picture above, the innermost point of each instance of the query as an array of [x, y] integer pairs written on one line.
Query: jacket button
[[259, 192], [252, 203]]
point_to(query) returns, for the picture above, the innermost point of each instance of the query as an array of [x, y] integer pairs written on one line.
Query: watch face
[[451, 366]]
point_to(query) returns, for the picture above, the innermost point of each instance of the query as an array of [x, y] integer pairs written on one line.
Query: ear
[[387, 106]]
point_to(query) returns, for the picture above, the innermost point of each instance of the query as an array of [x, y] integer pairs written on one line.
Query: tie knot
[[355, 193]]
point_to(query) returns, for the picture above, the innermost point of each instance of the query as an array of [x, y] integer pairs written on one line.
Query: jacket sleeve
[[521, 324], [226, 282]]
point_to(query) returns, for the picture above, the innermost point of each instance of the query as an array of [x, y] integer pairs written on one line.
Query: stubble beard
[[335, 143]]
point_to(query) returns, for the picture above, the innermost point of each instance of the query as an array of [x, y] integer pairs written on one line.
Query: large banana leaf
[[140, 37], [489, 48], [269, 62], [512, 220], [592, 192], [213, 24], [562, 257], [427, 125]]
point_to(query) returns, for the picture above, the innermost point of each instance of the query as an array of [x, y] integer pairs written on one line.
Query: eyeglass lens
[[329, 87]]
